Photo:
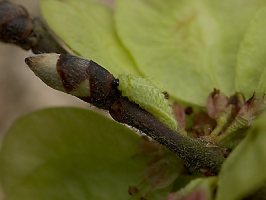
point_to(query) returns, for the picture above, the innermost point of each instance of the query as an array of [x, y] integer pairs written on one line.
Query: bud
[[16, 26], [250, 110], [248, 113], [216, 104], [76, 76]]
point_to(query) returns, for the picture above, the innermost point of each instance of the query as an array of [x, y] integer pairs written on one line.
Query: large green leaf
[[244, 170], [164, 39], [189, 46], [68, 153], [251, 68], [233, 18], [86, 26]]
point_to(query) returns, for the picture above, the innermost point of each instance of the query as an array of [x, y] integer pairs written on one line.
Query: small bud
[[250, 110], [16, 26], [76, 76], [248, 113], [217, 103]]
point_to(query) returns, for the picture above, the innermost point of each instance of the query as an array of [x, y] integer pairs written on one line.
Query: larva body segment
[[148, 97]]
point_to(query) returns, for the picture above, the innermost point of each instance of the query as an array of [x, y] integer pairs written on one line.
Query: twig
[[90, 82], [197, 155]]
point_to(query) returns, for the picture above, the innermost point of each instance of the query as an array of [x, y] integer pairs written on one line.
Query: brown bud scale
[[74, 70]]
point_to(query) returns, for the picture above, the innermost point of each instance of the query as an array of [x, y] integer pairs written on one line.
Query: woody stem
[[196, 155]]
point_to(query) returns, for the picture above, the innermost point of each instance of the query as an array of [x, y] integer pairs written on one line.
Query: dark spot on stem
[[166, 95], [188, 110], [115, 82]]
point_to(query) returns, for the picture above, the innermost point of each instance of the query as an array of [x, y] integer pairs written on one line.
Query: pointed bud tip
[[45, 67], [42, 60], [29, 61]]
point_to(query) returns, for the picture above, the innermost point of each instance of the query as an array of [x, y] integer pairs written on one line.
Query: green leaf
[[251, 68], [244, 170], [198, 189], [87, 28], [165, 42], [233, 19], [68, 153], [148, 97], [188, 46], [161, 173]]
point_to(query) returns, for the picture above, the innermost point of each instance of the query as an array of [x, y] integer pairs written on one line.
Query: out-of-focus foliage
[[251, 73], [68, 153]]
